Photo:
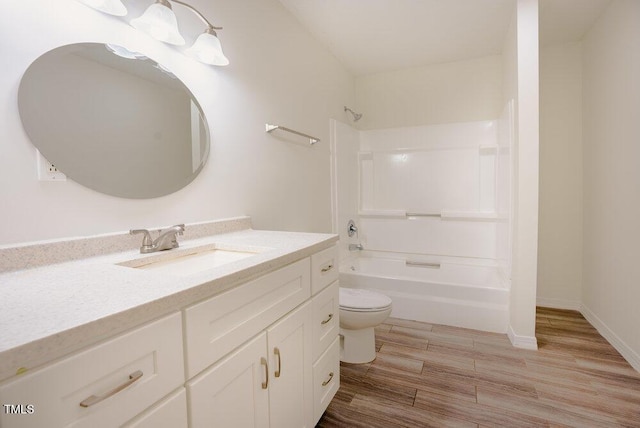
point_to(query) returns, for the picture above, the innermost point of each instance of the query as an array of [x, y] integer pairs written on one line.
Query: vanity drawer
[[326, 318], [324, 268], [103, 386], [222, 323], [326, 378]]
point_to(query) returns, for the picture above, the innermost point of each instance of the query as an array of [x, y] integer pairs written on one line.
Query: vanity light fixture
[[161, 23], [207, 48]]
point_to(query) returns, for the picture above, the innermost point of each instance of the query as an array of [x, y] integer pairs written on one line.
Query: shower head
[[356, 116]]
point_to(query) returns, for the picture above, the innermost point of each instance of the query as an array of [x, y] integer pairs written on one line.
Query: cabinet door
[[168, 413], [291, 388], [233, 393]]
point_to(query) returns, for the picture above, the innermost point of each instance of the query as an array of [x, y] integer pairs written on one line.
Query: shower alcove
[[432, 206]]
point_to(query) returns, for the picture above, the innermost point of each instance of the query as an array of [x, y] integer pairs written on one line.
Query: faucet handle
[[146, 240], [176, 229], [351, 228]]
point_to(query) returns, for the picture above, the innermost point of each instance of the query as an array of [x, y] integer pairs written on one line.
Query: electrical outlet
[[48, 171]]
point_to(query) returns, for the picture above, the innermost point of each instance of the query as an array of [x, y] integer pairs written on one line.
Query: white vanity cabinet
[[104, 386], [288, 338], [260, 354], [265, 383]]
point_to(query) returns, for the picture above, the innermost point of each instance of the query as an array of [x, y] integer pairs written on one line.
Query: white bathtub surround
[[344, 146], [460, 292], [438, 194], [50, 311]]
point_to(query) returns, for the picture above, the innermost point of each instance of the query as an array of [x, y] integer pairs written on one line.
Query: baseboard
[[524, 342], [629, 354], [547, 302]]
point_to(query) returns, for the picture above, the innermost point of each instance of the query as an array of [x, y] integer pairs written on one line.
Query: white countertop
[[48, 312]]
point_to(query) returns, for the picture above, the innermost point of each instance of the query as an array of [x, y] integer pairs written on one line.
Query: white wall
[[462, 91], [520, 65], [560, 219], [278, 74], [611, 135]]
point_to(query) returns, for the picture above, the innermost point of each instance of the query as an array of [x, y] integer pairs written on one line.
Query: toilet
[[360, 312]]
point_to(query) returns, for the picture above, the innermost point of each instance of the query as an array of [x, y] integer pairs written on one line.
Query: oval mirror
[[113, 120]]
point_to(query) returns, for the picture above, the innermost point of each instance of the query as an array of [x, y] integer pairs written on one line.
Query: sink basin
[[190, 261]]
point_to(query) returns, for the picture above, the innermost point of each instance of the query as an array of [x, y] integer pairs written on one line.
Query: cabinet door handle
[[327, 268], [327, 320], [95, 399], [326, 382], [276, 351], [263, 361]]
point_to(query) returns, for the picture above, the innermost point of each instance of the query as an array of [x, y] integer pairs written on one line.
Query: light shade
[[112, 7], [207, 49], [159, 22]]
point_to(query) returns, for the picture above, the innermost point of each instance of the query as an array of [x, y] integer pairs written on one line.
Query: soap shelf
[[443, 214]]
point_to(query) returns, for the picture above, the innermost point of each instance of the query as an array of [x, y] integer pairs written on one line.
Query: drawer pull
[[263, 361], [133, 377], [276, 351], [329, 318], [326, 382], [327, 268]]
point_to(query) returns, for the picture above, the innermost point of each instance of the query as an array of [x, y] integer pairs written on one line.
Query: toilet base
[[357, 346]]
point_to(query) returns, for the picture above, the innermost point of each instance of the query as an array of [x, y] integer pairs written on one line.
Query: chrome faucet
[[356, 247], [165, 241]]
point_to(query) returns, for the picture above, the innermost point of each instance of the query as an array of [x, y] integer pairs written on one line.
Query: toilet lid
[[355, 298]]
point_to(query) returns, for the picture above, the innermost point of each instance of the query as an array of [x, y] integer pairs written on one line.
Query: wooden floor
[[432, 375]]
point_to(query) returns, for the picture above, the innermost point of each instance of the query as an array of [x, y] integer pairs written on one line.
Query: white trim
[[550, 302], [629, 354], [523, 342]]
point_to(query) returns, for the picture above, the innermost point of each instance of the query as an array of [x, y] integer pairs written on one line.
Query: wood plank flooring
[[433, 375]]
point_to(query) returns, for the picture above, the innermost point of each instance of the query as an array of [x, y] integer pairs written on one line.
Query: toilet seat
[[359, 300]]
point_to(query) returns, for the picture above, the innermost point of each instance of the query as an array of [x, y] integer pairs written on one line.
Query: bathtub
[[455, 293]]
